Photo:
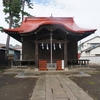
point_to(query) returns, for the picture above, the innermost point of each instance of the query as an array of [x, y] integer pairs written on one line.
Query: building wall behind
[[16, 55], [2, 57], [11, 51], [95, 51], [85, 53]]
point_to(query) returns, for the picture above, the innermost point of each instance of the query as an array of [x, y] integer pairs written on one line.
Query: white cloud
[[85, 12]]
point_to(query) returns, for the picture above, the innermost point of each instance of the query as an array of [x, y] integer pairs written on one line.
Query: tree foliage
[[29, 4], [14, 9]]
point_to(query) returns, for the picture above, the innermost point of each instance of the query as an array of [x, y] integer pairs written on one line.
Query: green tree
[[13, 9], [29, 4]]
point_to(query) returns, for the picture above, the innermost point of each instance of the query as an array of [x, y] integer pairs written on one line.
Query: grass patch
[[73, 78], [93, 72], [91, 83], [2, 70]]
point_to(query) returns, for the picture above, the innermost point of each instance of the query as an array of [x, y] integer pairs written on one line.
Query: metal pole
[[51, 45]]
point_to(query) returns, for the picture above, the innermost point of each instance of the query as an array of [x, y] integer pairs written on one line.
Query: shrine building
[[50, 42]]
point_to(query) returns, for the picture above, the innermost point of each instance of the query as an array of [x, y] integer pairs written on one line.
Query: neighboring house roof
[[2, 49], [89, 39], [2, 45], [31, 24], [14, 49], [18, 47], [91, 48]]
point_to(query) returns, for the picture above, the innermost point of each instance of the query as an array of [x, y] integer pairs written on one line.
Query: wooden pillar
[[36, 54], [65, 54]]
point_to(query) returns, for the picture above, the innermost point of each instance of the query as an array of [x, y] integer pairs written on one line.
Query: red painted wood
[[59, 65], [32, 23], [42, 65]]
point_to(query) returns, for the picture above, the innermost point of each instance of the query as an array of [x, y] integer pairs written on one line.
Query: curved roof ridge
[[32, 23], [48, 18]]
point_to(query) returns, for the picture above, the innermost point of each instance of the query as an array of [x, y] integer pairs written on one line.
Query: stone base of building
[[66, 69], [36, 69]]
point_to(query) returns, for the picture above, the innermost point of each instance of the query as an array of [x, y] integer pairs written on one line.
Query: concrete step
[[50, 72]]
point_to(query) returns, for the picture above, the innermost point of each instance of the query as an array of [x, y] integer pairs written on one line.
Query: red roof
[[32, 23]]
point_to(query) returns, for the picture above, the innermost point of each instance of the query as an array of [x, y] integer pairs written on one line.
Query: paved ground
[[53, 85], [57, 87]]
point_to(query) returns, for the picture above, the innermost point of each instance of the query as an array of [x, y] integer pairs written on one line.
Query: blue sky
[[86, 13], [44, 2]]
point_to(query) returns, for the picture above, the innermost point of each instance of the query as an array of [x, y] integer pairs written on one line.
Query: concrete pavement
[[57, 87]]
